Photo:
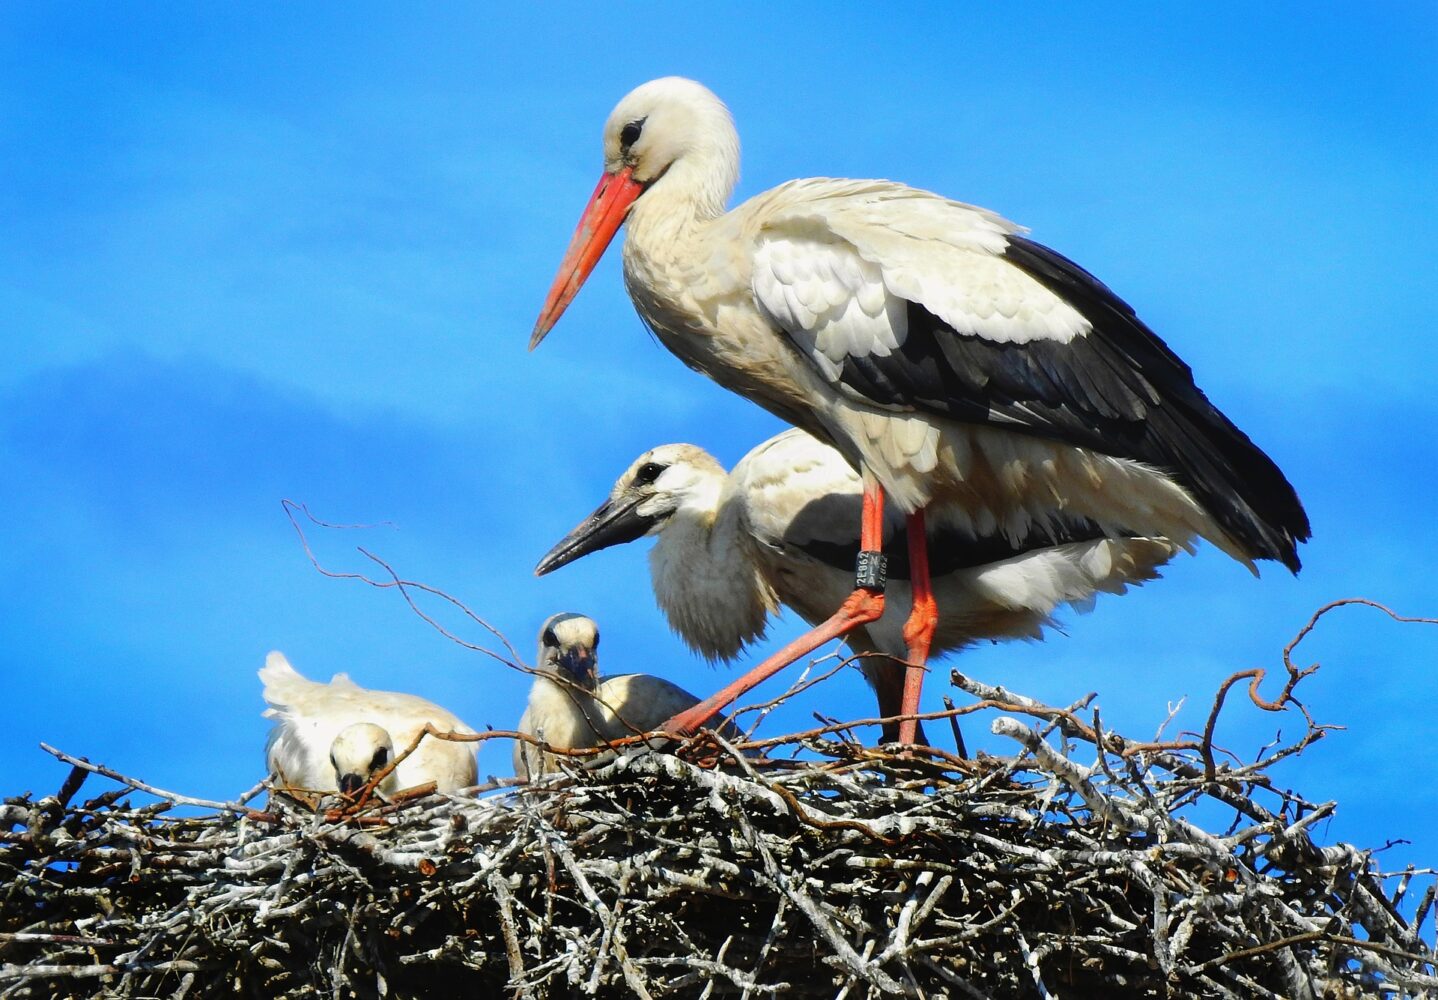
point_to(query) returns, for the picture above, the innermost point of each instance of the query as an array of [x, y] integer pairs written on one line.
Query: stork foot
[[919, 636], [914, 672], [887, 677], [919, 629]]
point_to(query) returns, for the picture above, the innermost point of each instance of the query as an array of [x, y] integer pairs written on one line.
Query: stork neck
[[690, 530], [554, 684], [706, 580], [567, 708], [677, 205]]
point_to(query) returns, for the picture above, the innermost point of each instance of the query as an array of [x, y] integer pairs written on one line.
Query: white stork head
[[358, 753], [659, 483], [569, 649], [669, 133], [665, 122]]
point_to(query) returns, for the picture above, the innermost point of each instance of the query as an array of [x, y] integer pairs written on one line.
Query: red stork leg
[[919, 629], [864, 605]]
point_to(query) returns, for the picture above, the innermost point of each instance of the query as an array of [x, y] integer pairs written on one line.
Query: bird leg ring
[[864, 605], [872, 571]]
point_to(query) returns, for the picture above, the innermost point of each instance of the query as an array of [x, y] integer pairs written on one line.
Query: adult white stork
[[782, 528], [950, 359], [336, 736], [571, 708]]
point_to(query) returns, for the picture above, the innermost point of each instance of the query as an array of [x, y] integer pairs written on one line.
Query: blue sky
[[296, 251]]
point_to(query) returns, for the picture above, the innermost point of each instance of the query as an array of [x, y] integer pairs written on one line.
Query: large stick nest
[[805, 866]]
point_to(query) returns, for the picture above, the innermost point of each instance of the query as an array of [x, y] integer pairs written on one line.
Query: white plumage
[[963, 369], [334, 736], [571, 708], [782, 528]]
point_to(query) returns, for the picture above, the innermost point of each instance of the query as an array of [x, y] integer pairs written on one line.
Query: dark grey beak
[[614, 523], [579, 663], [350, 784]]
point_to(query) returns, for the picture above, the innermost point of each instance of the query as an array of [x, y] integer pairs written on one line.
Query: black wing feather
[[1117, 390], [950, 549]]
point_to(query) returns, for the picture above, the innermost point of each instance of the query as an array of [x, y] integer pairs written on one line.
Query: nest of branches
[[805, 865]]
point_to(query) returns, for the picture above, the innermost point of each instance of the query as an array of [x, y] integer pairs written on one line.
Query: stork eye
[[380, 759], [549, 638], [629, 134], [648, 472]]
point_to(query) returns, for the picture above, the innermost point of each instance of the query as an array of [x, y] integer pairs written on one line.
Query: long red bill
[[601, 220]]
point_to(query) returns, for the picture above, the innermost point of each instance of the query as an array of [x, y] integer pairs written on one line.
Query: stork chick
[[358, 753], [337, 736], [571, 708]]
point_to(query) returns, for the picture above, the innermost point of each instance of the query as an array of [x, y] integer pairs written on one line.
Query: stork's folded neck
[[707, 581], [672, 214], [568, 713]]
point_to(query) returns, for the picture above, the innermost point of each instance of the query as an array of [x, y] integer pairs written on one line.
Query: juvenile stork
[[951, 360], [571, 708], [336, 736], [782, 528]]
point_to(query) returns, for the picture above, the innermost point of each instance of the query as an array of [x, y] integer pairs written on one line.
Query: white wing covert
[[838, 270]]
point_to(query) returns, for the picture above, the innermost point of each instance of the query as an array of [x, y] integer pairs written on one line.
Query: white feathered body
[[564, 716], [567, 717], [310, 714], [835, 262]]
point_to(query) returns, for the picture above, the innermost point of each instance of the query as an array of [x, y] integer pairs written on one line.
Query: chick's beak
[[579, 663], [613, 523]]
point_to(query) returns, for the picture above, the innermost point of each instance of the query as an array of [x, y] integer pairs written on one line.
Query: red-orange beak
[[601, 220]]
